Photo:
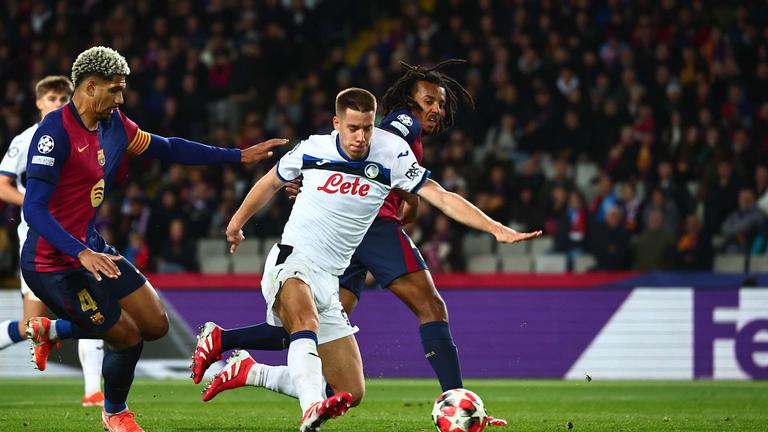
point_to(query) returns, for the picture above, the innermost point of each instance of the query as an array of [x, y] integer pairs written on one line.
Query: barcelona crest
[[102, 159]]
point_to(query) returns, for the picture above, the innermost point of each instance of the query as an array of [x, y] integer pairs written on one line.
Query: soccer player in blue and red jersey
[[96, 293], [423, 101]]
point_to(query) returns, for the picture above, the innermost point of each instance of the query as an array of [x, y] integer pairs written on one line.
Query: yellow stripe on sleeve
[[140, 142]]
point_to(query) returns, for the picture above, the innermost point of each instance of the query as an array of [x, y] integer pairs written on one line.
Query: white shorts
[[333, 321], [21, 230]]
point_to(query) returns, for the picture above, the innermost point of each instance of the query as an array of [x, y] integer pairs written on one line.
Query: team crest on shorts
[[101, 158], [97, 318], [371, 171]]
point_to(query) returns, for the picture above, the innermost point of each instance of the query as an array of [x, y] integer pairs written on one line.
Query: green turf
[[405, 405]]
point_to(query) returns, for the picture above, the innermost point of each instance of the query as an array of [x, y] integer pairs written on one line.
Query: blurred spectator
[[610, 243], [441, 251], [179, 253], [654, 247], [571, 235], [694, 248], [137, 251], [658, 202], [745, 228]]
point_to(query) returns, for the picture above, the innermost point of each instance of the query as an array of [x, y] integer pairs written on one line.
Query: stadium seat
[[583, 263], [512, 249], [586, 173], [247, 263], [541, 245], [487, 263], [516, 264], [215, 264], [208, 248], [250, 247], [729, 263], [550, 263], [758, 264], [476, 244]]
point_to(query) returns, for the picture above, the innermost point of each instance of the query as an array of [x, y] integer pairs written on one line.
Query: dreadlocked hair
[[399, 96]]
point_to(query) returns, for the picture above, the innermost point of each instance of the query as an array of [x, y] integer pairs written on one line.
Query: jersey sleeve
[[407, 174], [403, 124], [48, 150], [138, 140], [14, 162], [289, 166]]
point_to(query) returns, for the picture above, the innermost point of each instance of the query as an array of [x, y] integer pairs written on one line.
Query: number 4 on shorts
[[86, 301]]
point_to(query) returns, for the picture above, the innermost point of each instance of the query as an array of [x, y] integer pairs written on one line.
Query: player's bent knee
[[357, 396], [155, 329]]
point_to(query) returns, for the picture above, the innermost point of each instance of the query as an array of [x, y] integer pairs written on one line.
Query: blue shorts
[[76, 296], [387, 252]]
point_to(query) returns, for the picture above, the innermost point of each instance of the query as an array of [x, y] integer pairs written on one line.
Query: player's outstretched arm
[[180, 150], [257, 198], [461, 210]]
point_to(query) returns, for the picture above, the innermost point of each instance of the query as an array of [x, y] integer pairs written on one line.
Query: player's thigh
[[343, 366], [146, 309], [348, 300], [418, 292], [295, 306]]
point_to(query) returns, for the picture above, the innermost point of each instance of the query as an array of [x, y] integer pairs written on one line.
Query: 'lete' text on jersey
[[81, 163], [340, 197]]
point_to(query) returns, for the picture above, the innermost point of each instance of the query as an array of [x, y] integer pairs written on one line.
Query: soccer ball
[[459, 410]]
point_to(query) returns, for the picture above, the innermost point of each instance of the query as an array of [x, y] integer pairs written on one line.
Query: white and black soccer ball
[[459, 410]]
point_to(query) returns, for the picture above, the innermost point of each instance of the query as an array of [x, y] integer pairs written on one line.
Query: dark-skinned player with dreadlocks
[[421, 102]]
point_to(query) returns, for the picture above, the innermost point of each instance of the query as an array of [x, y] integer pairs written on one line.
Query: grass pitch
[[405, 405]]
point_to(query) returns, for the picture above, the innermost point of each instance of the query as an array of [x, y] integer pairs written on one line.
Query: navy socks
[[118, 369], [262, 337], [441, 353]]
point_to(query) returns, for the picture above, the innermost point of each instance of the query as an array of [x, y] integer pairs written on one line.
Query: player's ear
[[90, 87], [336, 123]]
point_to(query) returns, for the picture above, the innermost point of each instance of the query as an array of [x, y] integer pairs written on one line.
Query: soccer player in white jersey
[[347, 176], [52, 92]]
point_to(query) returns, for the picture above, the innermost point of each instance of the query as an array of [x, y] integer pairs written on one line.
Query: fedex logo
[[336, 184], [718, 316]]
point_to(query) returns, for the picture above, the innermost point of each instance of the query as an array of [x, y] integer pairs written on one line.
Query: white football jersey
[[14, 163], [340, 197]]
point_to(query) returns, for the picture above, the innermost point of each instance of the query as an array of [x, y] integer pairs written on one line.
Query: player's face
[[51, 101], [355, 130], [107, 95], [431, 99]]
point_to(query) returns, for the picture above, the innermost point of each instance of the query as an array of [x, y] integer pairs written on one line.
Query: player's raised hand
[[260, 151], [99, 263], [234, 237], [506, 234], [293, 187]]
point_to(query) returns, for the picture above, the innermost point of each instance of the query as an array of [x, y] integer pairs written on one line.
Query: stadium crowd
[[633, 131]]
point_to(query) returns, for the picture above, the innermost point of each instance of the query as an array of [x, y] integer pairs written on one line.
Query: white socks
[[306, 372], [5, 335], [91, 352], [274, 378]]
